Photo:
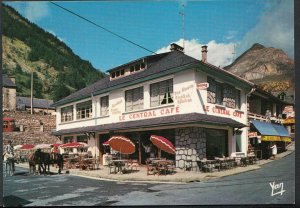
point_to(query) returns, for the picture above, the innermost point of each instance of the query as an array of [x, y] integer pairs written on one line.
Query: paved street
[[246, 188]]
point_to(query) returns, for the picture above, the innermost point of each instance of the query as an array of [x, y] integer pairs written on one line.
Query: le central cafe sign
[[223, 111], [150, 114]]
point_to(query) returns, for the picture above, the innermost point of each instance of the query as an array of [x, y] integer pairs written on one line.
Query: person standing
[[147, 149], [274, 150], [9, 149]]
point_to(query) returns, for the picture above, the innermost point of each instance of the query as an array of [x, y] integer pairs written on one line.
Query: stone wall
[[33, 132], [33, 123], [190, 144]]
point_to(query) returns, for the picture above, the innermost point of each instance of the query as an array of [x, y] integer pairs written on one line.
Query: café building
[[200, 108]]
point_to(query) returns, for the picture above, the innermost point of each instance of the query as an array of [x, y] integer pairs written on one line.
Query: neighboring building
[[265, 116], [39, 105], [8, 93], [158, 95]]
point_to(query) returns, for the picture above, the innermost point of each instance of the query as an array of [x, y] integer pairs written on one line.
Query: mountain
[[270, 68], [27, 48]]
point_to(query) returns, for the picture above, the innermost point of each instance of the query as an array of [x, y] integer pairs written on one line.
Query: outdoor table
[[118, 165], [162, 165], [208, 164], [87, 163]]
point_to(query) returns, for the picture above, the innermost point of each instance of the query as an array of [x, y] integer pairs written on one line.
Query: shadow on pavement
[[14, 201]]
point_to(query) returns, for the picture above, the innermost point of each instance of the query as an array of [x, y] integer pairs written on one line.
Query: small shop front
[[264, 135]]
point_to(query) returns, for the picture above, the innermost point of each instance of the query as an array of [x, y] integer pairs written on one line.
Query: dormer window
[[127, 70], [131, 69]]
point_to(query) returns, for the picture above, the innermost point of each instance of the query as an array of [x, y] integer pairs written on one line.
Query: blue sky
[[226, 26]]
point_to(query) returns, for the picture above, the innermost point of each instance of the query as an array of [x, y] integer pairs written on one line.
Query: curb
[[174, 181]]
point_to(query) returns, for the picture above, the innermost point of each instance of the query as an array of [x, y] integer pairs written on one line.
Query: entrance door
[[216, 143]]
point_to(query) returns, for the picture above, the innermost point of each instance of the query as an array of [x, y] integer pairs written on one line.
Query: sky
[[227, 27]]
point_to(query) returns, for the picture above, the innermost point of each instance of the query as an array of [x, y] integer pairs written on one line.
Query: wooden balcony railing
[[263, 118]]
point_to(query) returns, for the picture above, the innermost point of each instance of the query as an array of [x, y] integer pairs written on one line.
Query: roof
[[37, 103], [7, 82], [271, 96], [191, 118], [157, 66]]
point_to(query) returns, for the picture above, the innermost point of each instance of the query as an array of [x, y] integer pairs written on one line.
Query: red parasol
[[105, 143], [121, 144], [163, 144], [56, 145], [27, 147], [74, 145]]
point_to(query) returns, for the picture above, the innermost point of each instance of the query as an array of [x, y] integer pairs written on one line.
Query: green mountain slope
[[28, 48]]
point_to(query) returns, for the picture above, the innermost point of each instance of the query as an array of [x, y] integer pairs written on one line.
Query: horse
[[44, 160], [9, 164], [32, 161]]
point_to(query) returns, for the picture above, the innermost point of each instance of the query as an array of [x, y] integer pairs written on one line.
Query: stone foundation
[[190, 144]]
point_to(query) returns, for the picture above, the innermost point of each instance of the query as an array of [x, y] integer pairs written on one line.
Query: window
[[82, 138], [104, 106], [223, 94], [131, 69], [5, 124], [238, 137], [237, 99], [137, 67], [117, 73], [122, 72], [134, 99], [84, 110], [67, 114], [161, 93], [214, 92], [68, 139], [113, 75]]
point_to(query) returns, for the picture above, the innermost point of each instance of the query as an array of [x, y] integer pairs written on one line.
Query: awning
[[271, 132], [191, 118]]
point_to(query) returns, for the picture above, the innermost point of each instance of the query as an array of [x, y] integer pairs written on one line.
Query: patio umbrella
[[74, 145], [56, 145], [121, 144], [163, 144], [17, 147], [42, 146], [27, 147]]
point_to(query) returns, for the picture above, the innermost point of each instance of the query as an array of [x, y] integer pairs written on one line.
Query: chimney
[[204, 54], [175, 47], [13, 79]]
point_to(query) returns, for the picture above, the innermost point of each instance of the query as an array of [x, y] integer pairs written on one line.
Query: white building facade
[[200, 108]]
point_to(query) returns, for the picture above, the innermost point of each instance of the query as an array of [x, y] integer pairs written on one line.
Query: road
[[246, 188]]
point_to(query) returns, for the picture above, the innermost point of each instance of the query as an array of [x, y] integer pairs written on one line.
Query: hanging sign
[[202, 86], [252, 134]]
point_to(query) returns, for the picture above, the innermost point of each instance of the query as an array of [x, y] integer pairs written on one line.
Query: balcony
[[273, 119]]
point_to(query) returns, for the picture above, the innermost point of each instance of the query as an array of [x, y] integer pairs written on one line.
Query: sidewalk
[[179, 177]]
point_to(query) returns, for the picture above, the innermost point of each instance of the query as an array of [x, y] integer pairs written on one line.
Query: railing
[[264, 118]]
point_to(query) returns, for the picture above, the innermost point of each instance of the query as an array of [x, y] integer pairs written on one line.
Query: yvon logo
[[276, 188]]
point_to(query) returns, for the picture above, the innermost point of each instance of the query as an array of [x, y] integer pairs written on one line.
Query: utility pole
[[31, 92], [182, 15]]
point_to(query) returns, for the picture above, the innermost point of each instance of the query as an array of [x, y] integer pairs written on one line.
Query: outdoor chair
[[151, 168], [133, 164], [111, 167]]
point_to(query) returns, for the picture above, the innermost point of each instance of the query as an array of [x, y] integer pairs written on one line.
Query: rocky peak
[[268, 67]]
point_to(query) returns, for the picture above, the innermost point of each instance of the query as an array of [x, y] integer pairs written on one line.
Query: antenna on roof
[[233, 53], [182, 15]]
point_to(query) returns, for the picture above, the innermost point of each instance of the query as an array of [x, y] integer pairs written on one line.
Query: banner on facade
[[271, 138]]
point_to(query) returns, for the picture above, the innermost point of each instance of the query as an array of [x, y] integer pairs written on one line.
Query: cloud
[[219, 54], [35, 11], [275, 28]]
